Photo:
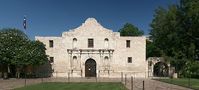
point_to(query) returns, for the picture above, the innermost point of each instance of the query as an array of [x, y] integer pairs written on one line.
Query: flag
[[24, 22]]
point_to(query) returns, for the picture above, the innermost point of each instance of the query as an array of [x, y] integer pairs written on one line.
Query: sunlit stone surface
[[71, 51]]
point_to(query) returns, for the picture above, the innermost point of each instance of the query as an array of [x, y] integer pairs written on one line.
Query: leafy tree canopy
[[130, 30], [176, 32], [152, 50], [11, 41], [17, 49]]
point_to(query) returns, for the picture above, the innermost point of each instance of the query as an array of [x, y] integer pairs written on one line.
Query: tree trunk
[[1, 75], [5, 71], [1, 70], [18, 71], [5, 75]]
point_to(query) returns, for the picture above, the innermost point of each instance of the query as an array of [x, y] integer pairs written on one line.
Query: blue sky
[[52, 17]]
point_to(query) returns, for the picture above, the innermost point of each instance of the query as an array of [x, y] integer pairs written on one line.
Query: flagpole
[[24, 24], [25, 32]]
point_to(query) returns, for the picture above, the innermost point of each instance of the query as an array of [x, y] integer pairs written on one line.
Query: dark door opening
[[90, 68], [161, 70]]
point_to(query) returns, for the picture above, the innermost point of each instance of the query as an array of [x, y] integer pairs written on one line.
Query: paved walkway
[[150, 84], [137, 85]]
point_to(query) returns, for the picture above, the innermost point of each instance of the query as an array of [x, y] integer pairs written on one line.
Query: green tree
[[33, 53], [17, 50], [152, 50], [176, 32], [11, 41], [130, 30]]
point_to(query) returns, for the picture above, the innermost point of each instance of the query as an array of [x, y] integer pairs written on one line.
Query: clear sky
[[52, 17]]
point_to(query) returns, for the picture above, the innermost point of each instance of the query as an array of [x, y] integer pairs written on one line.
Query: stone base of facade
[[102, 74]]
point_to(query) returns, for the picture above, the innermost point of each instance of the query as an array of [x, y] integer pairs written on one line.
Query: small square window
[[51, 43], [128, 43], [129, 59], [90, 43], [51, 60]]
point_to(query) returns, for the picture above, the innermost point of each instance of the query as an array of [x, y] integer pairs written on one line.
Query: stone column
[[80, 60], [71, 63]]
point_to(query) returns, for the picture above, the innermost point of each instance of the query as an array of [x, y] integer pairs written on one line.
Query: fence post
[[125, 80], [96, 78], [171, 83], [68, 76], [131, 83], [121, 76], [42, 76], [25, 79], [189, 84], [143, 84], [81, 72], [99, 75]]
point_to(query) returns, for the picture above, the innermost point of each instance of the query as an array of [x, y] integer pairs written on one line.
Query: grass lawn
[[194, 83], [74, 86]]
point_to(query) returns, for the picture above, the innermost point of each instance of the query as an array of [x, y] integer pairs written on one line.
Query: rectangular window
[[90, 43], [51, 43], [51, 60], [128, 43], [129, 59]]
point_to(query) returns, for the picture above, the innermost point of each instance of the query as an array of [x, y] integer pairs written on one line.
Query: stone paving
[[150, 84], [137, 83]]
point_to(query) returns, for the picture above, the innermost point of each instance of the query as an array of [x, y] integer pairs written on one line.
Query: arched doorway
[[90, 68], [161, 69]]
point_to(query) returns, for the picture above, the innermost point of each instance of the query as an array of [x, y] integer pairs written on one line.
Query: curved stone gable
[[90, 28]]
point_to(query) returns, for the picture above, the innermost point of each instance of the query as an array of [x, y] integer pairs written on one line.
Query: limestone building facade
[[94, 51]]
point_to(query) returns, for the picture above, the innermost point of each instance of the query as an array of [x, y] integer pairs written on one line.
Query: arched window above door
[[106, 58], [74, 42], [106, 39], [106, 43], [74, 57]]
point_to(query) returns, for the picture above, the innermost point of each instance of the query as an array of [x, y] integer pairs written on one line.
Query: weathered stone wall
[[115, 49]]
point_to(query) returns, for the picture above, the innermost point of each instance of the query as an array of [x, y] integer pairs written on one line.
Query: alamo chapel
[[94, 51]]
